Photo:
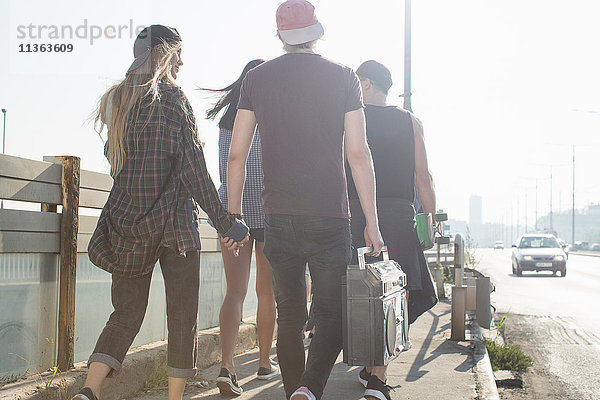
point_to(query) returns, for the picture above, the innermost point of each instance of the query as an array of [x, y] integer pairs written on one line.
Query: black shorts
[[258, 234]]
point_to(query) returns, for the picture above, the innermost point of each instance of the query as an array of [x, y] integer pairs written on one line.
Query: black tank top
[[392, 142]]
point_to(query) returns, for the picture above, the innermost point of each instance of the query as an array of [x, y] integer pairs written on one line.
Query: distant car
[[538, 252], [579, 245], [498, 244], [595, 247]]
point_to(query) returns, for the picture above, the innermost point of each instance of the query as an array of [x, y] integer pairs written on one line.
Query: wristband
[[238, 230]]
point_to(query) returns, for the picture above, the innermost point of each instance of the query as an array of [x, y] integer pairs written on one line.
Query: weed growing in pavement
[[448, 274], [159, 377], [5, 380], [253, 343], [470, 260], [47, 382], [499, 326], [55, 386], [52, 385], [507, 356]]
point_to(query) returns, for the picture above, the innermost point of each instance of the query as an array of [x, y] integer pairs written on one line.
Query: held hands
[[373, 239], [236, 236], [234, 246]]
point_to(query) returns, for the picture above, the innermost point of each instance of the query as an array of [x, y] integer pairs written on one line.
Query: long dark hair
[[230, 96]]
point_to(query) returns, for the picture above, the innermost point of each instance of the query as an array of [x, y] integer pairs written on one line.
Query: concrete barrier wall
[[29, 296], [44, 269]]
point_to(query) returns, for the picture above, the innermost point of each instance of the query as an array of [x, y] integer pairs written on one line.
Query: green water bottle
[[425, 230]]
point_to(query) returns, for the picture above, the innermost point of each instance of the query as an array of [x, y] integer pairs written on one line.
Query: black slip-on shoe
[[377, 390], [228, 384], [266, 374], [85, 394], [363, 376]]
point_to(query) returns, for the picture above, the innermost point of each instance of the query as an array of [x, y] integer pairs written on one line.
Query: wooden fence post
[[49, 207], [69, 226]]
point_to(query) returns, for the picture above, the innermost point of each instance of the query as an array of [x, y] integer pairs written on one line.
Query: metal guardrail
[[588, 253], [470, 293], [445, 259]]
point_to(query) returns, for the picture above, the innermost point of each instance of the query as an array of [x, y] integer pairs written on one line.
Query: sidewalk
[[435, 368]]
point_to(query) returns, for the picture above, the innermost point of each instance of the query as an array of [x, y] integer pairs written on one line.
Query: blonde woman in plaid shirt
[[237, 269], [160, 180]]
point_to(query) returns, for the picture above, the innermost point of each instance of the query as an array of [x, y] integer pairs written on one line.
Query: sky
[[505, 90]]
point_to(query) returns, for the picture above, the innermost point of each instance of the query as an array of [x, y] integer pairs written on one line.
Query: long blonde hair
[[116, 103]]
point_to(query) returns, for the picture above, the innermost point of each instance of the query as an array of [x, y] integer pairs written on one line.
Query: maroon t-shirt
[[300, 100]]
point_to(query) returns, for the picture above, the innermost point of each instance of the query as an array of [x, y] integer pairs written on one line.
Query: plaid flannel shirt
[[155, 197]]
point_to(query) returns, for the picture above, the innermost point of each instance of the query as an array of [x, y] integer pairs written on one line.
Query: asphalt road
[[554, 319]]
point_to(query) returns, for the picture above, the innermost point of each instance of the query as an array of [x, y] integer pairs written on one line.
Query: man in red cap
[[310, 114]]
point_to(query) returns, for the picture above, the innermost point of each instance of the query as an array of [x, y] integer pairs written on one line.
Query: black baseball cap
[[376, 72], [149, 37]]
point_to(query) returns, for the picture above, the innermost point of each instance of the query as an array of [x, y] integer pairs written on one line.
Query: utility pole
[[525, 230], [517, 216], [551, 226], [3, 142], [407, 55], [536, 204], [573, 212], [559, 202], [511, 224], [4, 131]]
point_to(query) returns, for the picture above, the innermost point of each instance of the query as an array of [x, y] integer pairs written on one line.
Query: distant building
[[592, 209], [454, 226], [587, 224]]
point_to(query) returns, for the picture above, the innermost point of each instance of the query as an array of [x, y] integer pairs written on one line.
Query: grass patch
[[159, 377], [253, 343], [52, 386], [507, 356]]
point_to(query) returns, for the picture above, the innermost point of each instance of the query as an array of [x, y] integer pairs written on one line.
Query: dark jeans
[[130, 299], [324, 242]]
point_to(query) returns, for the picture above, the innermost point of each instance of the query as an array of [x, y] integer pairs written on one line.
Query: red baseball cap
[[297, 22]]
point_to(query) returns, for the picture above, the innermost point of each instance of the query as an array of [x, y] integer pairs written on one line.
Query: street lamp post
[[551, 226], [4, 131], [518, 216], [536, 204], [3, 142], [573, 213], [407, 55], [525, 230]]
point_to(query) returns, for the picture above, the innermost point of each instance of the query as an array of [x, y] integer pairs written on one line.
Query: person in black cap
[[160, 180], [395, 138]]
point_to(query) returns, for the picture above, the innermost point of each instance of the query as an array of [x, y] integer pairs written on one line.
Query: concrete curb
[[138, 367], [484, 376]]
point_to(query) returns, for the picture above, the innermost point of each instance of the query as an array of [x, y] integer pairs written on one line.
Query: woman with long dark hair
[[160, 180], [237, 269]]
